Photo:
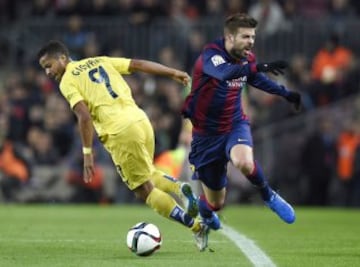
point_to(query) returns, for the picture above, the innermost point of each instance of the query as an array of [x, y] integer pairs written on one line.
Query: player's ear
[[62, 57], [229, 37]]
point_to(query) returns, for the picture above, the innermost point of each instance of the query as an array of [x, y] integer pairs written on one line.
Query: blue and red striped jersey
[[214, 103]]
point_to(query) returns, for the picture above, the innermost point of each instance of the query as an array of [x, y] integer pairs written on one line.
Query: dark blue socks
[[258, 179]]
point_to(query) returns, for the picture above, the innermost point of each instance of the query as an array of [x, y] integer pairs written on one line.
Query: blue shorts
[[209, 155]]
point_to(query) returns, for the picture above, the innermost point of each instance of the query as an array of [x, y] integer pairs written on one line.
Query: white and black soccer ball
[[143, 239]]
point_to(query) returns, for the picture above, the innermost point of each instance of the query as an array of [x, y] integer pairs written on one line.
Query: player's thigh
[[149, 138], [131, 156], [240, 135], [213, 175], [239, 145]]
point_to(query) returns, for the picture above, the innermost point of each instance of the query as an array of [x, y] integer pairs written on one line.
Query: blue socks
[[204, 209], [258, 179]]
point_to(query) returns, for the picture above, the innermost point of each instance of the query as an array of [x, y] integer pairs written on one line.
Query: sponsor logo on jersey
[[239, 82]]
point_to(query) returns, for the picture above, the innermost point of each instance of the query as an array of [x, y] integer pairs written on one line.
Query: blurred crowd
[[38, 132], [142, 11]]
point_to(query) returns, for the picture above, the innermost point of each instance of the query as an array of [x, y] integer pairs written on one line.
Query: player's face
[[54, 65], [241, 43]]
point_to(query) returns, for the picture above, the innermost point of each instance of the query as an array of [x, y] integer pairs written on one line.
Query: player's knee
[[217, 205], [245, 166], [143, 191]]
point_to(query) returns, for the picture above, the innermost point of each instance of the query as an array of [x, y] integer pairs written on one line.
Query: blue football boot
[[213, 222], [281, 208]]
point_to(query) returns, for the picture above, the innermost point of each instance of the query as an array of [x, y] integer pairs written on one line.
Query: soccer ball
[[143, 239]]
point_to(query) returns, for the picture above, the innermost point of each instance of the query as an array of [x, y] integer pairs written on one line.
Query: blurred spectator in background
[[97, 8], [145, 11], [196, 41], [15, 168], [318, 161], [270, 16], [347, 144], [19, 105], [168, 56], [291, 14], [214, 8], [340, 11], [329, 67], [59, 122], [123, 8], [76, 37], [236, 6], [354, 200], [41, 8], [181, 14], [92, 47], [313, 9], [299, 78], [67, 7], [41, 144]]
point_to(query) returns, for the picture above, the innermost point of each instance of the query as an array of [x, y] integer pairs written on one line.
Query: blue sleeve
[[264, 83], [216, 66]]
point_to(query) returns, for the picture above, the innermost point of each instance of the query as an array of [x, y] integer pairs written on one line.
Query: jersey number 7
[[103, 77]]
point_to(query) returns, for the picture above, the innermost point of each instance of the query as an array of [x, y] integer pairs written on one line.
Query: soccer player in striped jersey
[[221, 130], [101, 99]]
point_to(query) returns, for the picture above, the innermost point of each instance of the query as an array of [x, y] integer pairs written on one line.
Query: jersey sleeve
[[120, 64], [69, 90], [216, 66], [264, 83]]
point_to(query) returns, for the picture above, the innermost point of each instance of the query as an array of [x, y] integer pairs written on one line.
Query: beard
[[236, 53]]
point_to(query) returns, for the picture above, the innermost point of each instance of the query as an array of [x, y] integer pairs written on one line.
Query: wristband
[[86, 150]]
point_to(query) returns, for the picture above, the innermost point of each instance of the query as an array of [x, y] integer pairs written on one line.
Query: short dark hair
[[53, 48], [239, 20]]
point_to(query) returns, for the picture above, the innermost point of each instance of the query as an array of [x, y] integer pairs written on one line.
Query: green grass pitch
[[61, 235]]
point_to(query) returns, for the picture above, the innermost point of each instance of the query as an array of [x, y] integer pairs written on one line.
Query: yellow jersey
[[98, 81]]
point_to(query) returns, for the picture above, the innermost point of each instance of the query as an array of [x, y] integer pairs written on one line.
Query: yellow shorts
[[132, 151]]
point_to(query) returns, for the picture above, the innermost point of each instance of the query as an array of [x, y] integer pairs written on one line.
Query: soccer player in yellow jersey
[[101, 99]]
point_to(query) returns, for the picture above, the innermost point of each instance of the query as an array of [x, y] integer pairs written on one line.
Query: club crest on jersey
[[239, 82], [217, 60]]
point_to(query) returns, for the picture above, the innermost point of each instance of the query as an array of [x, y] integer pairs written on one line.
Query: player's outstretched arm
[[275, 67], [152, 67]]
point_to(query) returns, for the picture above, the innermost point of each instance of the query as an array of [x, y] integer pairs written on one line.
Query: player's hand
[[275, 67], [181, 77], [89, 169], [295, 98]]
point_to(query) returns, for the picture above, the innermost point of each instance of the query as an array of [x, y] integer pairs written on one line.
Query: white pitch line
[[255, 255]]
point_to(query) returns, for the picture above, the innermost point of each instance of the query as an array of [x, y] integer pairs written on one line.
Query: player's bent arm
[[152, 67], [85, 123]]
